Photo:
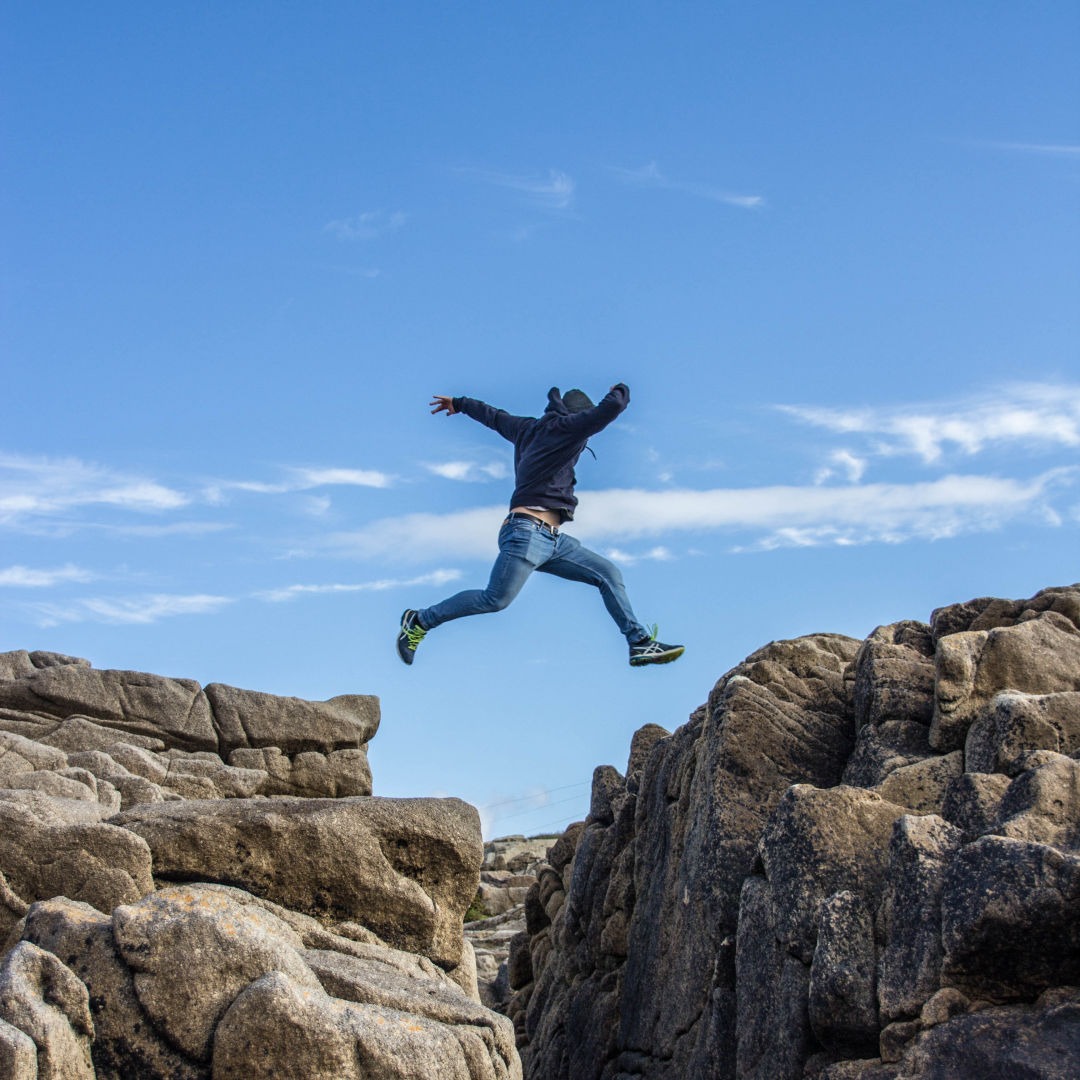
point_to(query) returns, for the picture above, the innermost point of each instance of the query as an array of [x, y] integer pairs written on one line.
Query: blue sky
[[834, 249]]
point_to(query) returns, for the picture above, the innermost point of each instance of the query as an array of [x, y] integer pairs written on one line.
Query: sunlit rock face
[[856, 860], [198, 883]]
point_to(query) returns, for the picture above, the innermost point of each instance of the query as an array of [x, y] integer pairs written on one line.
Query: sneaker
[[651, 651], [409, 636]]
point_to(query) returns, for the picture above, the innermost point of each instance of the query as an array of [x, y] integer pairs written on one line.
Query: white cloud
[[32, 487], [300, 479], [656, 554], [27, 578], [650, 176], [139, 610], [294, 592], [842, 462], [857, 513], [366, 226], [1041, 415], [468, 471], [553, 192]]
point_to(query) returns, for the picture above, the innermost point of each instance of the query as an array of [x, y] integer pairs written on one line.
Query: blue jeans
[[525, 546]]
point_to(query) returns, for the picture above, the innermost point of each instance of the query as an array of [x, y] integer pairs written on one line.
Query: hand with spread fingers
[[442, 403]]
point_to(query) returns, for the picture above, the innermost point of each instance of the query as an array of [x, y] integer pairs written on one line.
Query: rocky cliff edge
[[856, 860]]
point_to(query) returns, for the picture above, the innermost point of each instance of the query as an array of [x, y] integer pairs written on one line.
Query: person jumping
[[546, 449]]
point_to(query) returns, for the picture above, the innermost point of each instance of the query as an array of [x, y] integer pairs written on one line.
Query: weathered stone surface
[[894, 675], [249, 718], [972, 802], [165, 977], [842, 997], [919, 853], [922, 786], [881, 749], [1011, 919], [1040, 656], [95, 862], [772, 990], [406, 868], [988, 613], [1040, 1041], [128, 701], [18, 1054], [126, 1043], [1015, 724], [640, 926], [1043, 803], [44, 999], [820, 842], [305, 1032], [224, 948]]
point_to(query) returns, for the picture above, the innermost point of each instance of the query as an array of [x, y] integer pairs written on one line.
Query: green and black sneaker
[[651, 651], [409, 636]]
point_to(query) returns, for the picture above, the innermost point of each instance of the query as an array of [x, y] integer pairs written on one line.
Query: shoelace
[[414, 635]]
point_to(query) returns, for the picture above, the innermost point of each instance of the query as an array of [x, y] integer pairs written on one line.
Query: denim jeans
[[525, 546]]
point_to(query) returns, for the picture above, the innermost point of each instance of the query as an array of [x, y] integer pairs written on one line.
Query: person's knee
[[492, 602]]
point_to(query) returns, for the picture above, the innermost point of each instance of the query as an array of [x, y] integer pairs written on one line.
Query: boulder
[[251, 719], [1015, 724], [126, 1042], [894, 675], [1010, 919], [1039, 656], [45, 1000], [91, 861], [126, 701], [405, 868]]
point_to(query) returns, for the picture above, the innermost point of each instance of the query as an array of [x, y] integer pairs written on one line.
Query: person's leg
[[521, 547], [575, 562]]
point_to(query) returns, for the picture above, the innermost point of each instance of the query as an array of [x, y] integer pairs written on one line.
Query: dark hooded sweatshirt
[[547, 448]]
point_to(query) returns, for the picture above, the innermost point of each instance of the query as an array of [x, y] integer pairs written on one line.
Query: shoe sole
[[659, 658], [406, 654]]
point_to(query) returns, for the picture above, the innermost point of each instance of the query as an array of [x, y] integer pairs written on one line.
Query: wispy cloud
[[656, 554], [773, 516], [35, 487], [553, 192], [301, 479], [842, 463], [366, 226], [294, 592], [650, 176], [1041, 415], [469, 471], [25, 577], [1060, 150], [140, 610]]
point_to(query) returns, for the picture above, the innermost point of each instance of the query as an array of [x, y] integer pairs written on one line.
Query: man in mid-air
[[546, 449]]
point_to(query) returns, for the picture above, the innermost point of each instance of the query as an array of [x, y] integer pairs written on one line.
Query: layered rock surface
[[856, 860], [197, 884]]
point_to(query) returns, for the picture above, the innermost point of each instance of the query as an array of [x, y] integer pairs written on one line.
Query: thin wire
[[536, 809], [526, 798]]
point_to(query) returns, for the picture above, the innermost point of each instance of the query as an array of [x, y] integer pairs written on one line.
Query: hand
[[442, 404]]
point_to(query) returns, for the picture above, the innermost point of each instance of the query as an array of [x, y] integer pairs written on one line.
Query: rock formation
[[497, 915], [197, 883], [856, 860]]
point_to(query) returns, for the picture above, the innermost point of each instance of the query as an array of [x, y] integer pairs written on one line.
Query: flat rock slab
[[251, 719], [130, 701], [405, 868]]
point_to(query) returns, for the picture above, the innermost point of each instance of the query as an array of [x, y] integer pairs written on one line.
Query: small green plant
[[475, 910]]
